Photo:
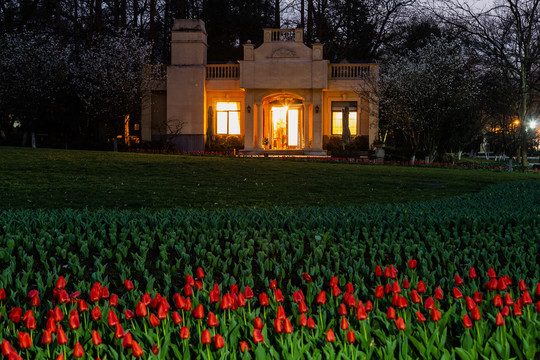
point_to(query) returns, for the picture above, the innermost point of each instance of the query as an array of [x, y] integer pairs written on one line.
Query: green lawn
[[46, 178]]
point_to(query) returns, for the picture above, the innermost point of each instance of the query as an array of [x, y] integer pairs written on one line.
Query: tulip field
[[456, 278]]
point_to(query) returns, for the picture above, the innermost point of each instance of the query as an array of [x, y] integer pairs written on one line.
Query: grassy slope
[[45, 178]]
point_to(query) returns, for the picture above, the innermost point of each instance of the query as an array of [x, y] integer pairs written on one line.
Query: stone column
[[316, 144], [307, 107], [259, 124]]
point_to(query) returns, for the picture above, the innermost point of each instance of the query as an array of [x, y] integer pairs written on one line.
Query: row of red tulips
[[396, 299]]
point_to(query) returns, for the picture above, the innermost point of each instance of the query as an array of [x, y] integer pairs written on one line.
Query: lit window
[[337, 117], [228, 118]]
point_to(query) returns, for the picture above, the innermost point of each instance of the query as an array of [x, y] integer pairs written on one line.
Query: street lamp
[[532, 124]]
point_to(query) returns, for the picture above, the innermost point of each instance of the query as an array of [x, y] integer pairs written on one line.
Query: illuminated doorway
[[285, 131]]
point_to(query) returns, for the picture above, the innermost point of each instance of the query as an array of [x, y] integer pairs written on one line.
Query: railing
[[283, 35], [349, 71], [222, 72]]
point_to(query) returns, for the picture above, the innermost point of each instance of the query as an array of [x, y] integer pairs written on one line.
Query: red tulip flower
[[205, 337], [457, 293], [415, 298], [412, 264], [334, 281], [104, 292], [526, 298], [310, 323], [155, 349], [30, 323], [435, 314], [95, 292], [400, 324], [74, 322], [477, 297], [154, 321], [361, 313], [517, 310], [421, 288], [136, 349], [184, 333], [351, 337], [248, 293], [330, 336], [128, 284], [119, 332], [491, 273], [349, 288], [25, 341], [6, 348], [200, 273], [505, 311], [499, 321], [497, 300], [15, 315], [391, 313], [60, 283], [303, 320], [278, 325], [429, 304], [2, 294], [395, 287], [258, 323], [189, 280], [402, 302], [96, 338], [287, 326], [420, 317], [162, 312], [278, 296], [33, 295], [321, 298], [263, 299], [212, 320], [475, 314], [50, 325], [406, 284], [458, 281], [438, 293], [472, 273], [306, 277], [177, 319], [61, 338], [378, 271], [369, 305], [198, 312], [146, 299], [379, 292], [244, 347], [302, 308], [344, 323], [273, 284], [112, 318], [113, 301], [78, 351], [58, 315], [127, 342], [82, 305], [467, 321], [96, 314], [257, 336], [47, 337]]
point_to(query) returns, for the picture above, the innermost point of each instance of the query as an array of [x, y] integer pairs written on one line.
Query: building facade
[[283, 97]]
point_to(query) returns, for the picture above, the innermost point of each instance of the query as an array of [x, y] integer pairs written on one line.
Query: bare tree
[[508, 37]]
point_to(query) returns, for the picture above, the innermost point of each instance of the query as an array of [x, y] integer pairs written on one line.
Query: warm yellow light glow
[[337, 123], [293, 127], [352, 123], [228, 118], [516, 122]]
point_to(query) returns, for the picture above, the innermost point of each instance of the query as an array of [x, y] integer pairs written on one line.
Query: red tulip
[[258, 323], [155, 349], [248, 293], [2, 294], [278, 296], [146, 299], [415, 298], [306, 277], [344, 323], [501, 284], [333, 281], [421, 288], [310, 323], [119, 332], [25, 341], [302, 308], [406, 284], [112, 318], [412, 263], [177, 319], [188, 290], [278, 325], [395, 287], [475, 314], [184, 333], [457, 293], [402, 302], [15, 315], [74, 322], [95, 292], [30, 323], [96, 338], [538, 306], [361, 313], [33, 295], [96, 314], [82, 305], [104, 292], [526, 298], [458, 281], [60, 357], [200, 273], [212, 321], [47, 337], [189, 280], [420, 317], [378, 271], [61, 338], [400, 324], [128, 285], [330, 336], [391, 313], [273, 284], [387, 273], [6, 348], [113, 301], [438, 293], [499, 321], [351, 337], [244, 347], [58, 315], [537, 292], [321, 298], [379, 292], [435, 314], [472, 273], [467, 321], [154, 321], [127, 342], [429, 304], [517, 310], [78, 351], [136, 350], [162, 312], [205, 337], [369, 305], [287, 326], [470, 303], [505, 311], [198, 312], [349, 288], [257, 336], [263, 299], [497, 301], [491, 273], [477, 297], [60, 283], [303, 320]]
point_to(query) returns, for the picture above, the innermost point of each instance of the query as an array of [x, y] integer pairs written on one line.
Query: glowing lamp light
[[532, 124]]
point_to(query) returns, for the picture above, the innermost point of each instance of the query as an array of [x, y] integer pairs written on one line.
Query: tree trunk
[[309, 31], [302, 9], [277, 15]]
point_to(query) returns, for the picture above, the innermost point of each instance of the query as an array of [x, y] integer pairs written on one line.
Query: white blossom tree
[[428, 97]]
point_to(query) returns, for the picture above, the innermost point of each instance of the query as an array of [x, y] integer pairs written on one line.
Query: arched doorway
[[285, 122]]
